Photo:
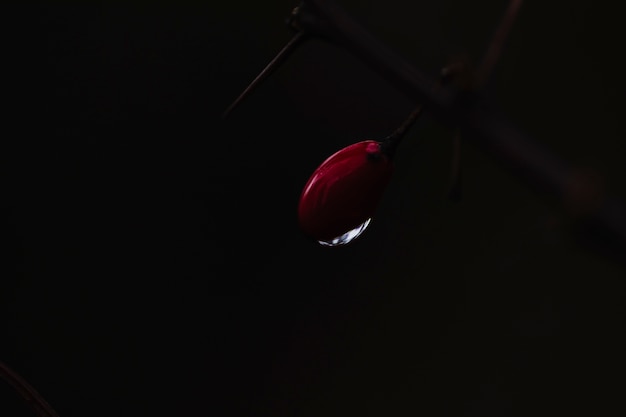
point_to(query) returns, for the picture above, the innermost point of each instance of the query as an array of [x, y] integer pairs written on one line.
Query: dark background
[[152, 260]]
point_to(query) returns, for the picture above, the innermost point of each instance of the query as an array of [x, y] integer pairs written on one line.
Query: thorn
[[269, 68]]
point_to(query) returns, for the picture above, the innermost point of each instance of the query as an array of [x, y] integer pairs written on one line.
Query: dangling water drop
[[340, 198], [346, 237]]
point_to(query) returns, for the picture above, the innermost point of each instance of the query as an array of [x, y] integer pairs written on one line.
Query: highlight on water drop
[[346, 237]]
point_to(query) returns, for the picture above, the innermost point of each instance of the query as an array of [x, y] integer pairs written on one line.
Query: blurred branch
[[35, 401], [494, 50]]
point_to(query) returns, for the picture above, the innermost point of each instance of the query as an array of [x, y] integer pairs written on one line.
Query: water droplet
[[348, 236]]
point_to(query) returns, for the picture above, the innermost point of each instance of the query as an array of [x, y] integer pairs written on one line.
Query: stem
[[390, 144]]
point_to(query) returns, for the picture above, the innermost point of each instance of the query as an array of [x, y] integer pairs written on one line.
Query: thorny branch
[[599, 217]]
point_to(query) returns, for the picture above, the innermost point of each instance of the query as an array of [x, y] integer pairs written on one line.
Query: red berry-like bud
[[341, 196]]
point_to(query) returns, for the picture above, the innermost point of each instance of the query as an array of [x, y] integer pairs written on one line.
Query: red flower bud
[[341, 196]]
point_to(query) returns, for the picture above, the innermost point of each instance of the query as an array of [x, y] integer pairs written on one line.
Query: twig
[[495, 46], [391, 142], [33, 399], [480, 79]]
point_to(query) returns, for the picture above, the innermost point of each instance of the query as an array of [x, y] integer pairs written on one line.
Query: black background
[[152, 261]]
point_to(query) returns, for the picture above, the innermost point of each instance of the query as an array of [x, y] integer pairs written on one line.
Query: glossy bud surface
[[340, 197]]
